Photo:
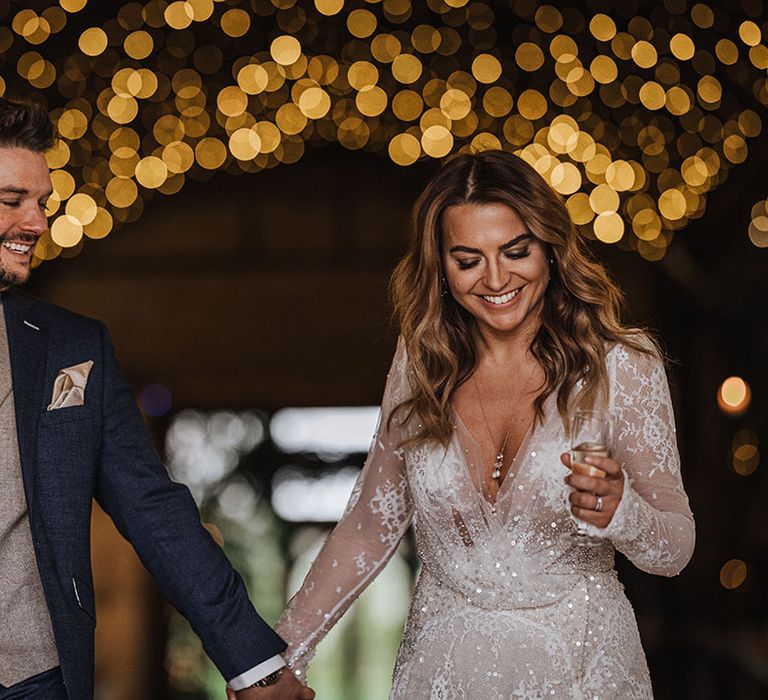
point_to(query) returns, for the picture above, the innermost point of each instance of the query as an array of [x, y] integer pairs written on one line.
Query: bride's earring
[[443, 286]]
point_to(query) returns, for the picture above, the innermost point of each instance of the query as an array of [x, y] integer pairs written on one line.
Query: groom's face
[[24, 190]]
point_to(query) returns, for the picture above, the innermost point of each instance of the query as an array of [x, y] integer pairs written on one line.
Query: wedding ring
[[598, 504]]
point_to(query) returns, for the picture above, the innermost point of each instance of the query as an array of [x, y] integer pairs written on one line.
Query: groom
[[69, 432]]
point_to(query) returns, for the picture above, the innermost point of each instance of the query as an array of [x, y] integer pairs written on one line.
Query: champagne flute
[[591, 436]]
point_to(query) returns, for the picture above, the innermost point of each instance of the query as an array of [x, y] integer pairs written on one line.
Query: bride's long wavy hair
[[580, 317]]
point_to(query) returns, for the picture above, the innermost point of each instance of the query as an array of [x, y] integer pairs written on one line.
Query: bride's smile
[[494, 266]]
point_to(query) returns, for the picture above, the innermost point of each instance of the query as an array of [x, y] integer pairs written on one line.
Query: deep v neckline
[[518, 460]]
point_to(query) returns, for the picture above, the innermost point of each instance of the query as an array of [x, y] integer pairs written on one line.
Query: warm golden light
[[609, 227], [362, 74], [73, 6], [604, 69], [178, 156], [733, 574], [682, 47], [151, 172], [315, 103], [486, 68], [455, 104], [81, 207], [232, 101], [244, 144], [371, 101], [404, 149], [100, 226], [579, 209], [677, 101], [529, 56], [603, 28], [565, 178], [745, 453], [361, 23], [138, 44], [644, 54], [749, 33], [646, 224], [72, 124], [437, 141], [93, 41], [66, 231], [758, 226], [604, 199], [236, 22], [652, 95], [121, 191], [532, 105], [210, 153], [746, 459], [179, 15], [201, 9], [63, 184], [285, 50], [672, 204], [407, 105], [406, 68], [329, 7], [633, 120], [734, 396], [252, 79]]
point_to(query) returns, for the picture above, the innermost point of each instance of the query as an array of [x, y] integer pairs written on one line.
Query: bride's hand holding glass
[[594, 499]]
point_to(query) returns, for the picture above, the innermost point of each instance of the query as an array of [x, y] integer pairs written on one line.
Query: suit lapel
[[28, 349]]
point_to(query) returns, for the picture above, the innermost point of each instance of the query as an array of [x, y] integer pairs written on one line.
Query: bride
[[507, 326]]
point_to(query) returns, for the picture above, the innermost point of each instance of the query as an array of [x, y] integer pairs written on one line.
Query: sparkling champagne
[[591, 436], [588, 449]]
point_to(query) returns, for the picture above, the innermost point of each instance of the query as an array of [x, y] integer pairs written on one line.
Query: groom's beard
[[16, 272]]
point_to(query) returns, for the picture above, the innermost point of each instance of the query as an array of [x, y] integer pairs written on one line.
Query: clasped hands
[[287, 688], [586, 489]]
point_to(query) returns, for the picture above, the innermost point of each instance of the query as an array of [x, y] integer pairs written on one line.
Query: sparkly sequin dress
[[503, 608]]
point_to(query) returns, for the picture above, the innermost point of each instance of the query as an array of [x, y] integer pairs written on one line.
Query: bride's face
[[495, 267]]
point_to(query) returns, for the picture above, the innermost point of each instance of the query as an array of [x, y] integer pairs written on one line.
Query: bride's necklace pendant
[[497, 465]]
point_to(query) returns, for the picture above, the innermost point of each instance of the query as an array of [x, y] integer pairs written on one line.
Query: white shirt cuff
[[247, 679]]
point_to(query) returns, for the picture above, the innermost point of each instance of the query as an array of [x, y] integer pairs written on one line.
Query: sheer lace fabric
[[503, 608]]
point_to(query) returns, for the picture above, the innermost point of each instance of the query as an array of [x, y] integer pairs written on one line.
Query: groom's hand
[[287, 688]]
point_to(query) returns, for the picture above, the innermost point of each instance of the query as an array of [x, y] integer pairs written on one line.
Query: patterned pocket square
[[69, 387]]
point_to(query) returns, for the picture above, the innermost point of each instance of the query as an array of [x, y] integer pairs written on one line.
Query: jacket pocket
[[64, 415]]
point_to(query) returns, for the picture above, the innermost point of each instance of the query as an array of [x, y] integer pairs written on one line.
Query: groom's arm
[[161, 520]]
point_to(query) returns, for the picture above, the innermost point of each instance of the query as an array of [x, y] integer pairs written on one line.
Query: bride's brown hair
[[581, 314]]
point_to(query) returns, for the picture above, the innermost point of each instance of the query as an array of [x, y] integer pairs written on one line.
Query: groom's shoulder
[[57, 317]]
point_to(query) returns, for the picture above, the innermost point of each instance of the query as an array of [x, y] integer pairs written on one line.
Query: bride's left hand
[[586, 489]]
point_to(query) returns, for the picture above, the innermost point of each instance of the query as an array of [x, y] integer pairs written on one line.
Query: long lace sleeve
[[653, 525], [376, 518]]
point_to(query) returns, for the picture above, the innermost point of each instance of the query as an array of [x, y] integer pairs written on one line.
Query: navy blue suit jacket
[[103, 450]]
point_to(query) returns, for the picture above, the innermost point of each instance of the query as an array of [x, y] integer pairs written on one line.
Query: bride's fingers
[[608, 465], [592, 517], [581, 482], [588, 501]]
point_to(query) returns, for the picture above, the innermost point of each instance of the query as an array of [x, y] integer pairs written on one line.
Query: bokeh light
[[630, 119], [734, 396], [155, 400], [733, 574], [745, 452]]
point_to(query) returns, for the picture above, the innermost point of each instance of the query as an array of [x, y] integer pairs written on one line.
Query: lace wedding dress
[[503, 608]]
